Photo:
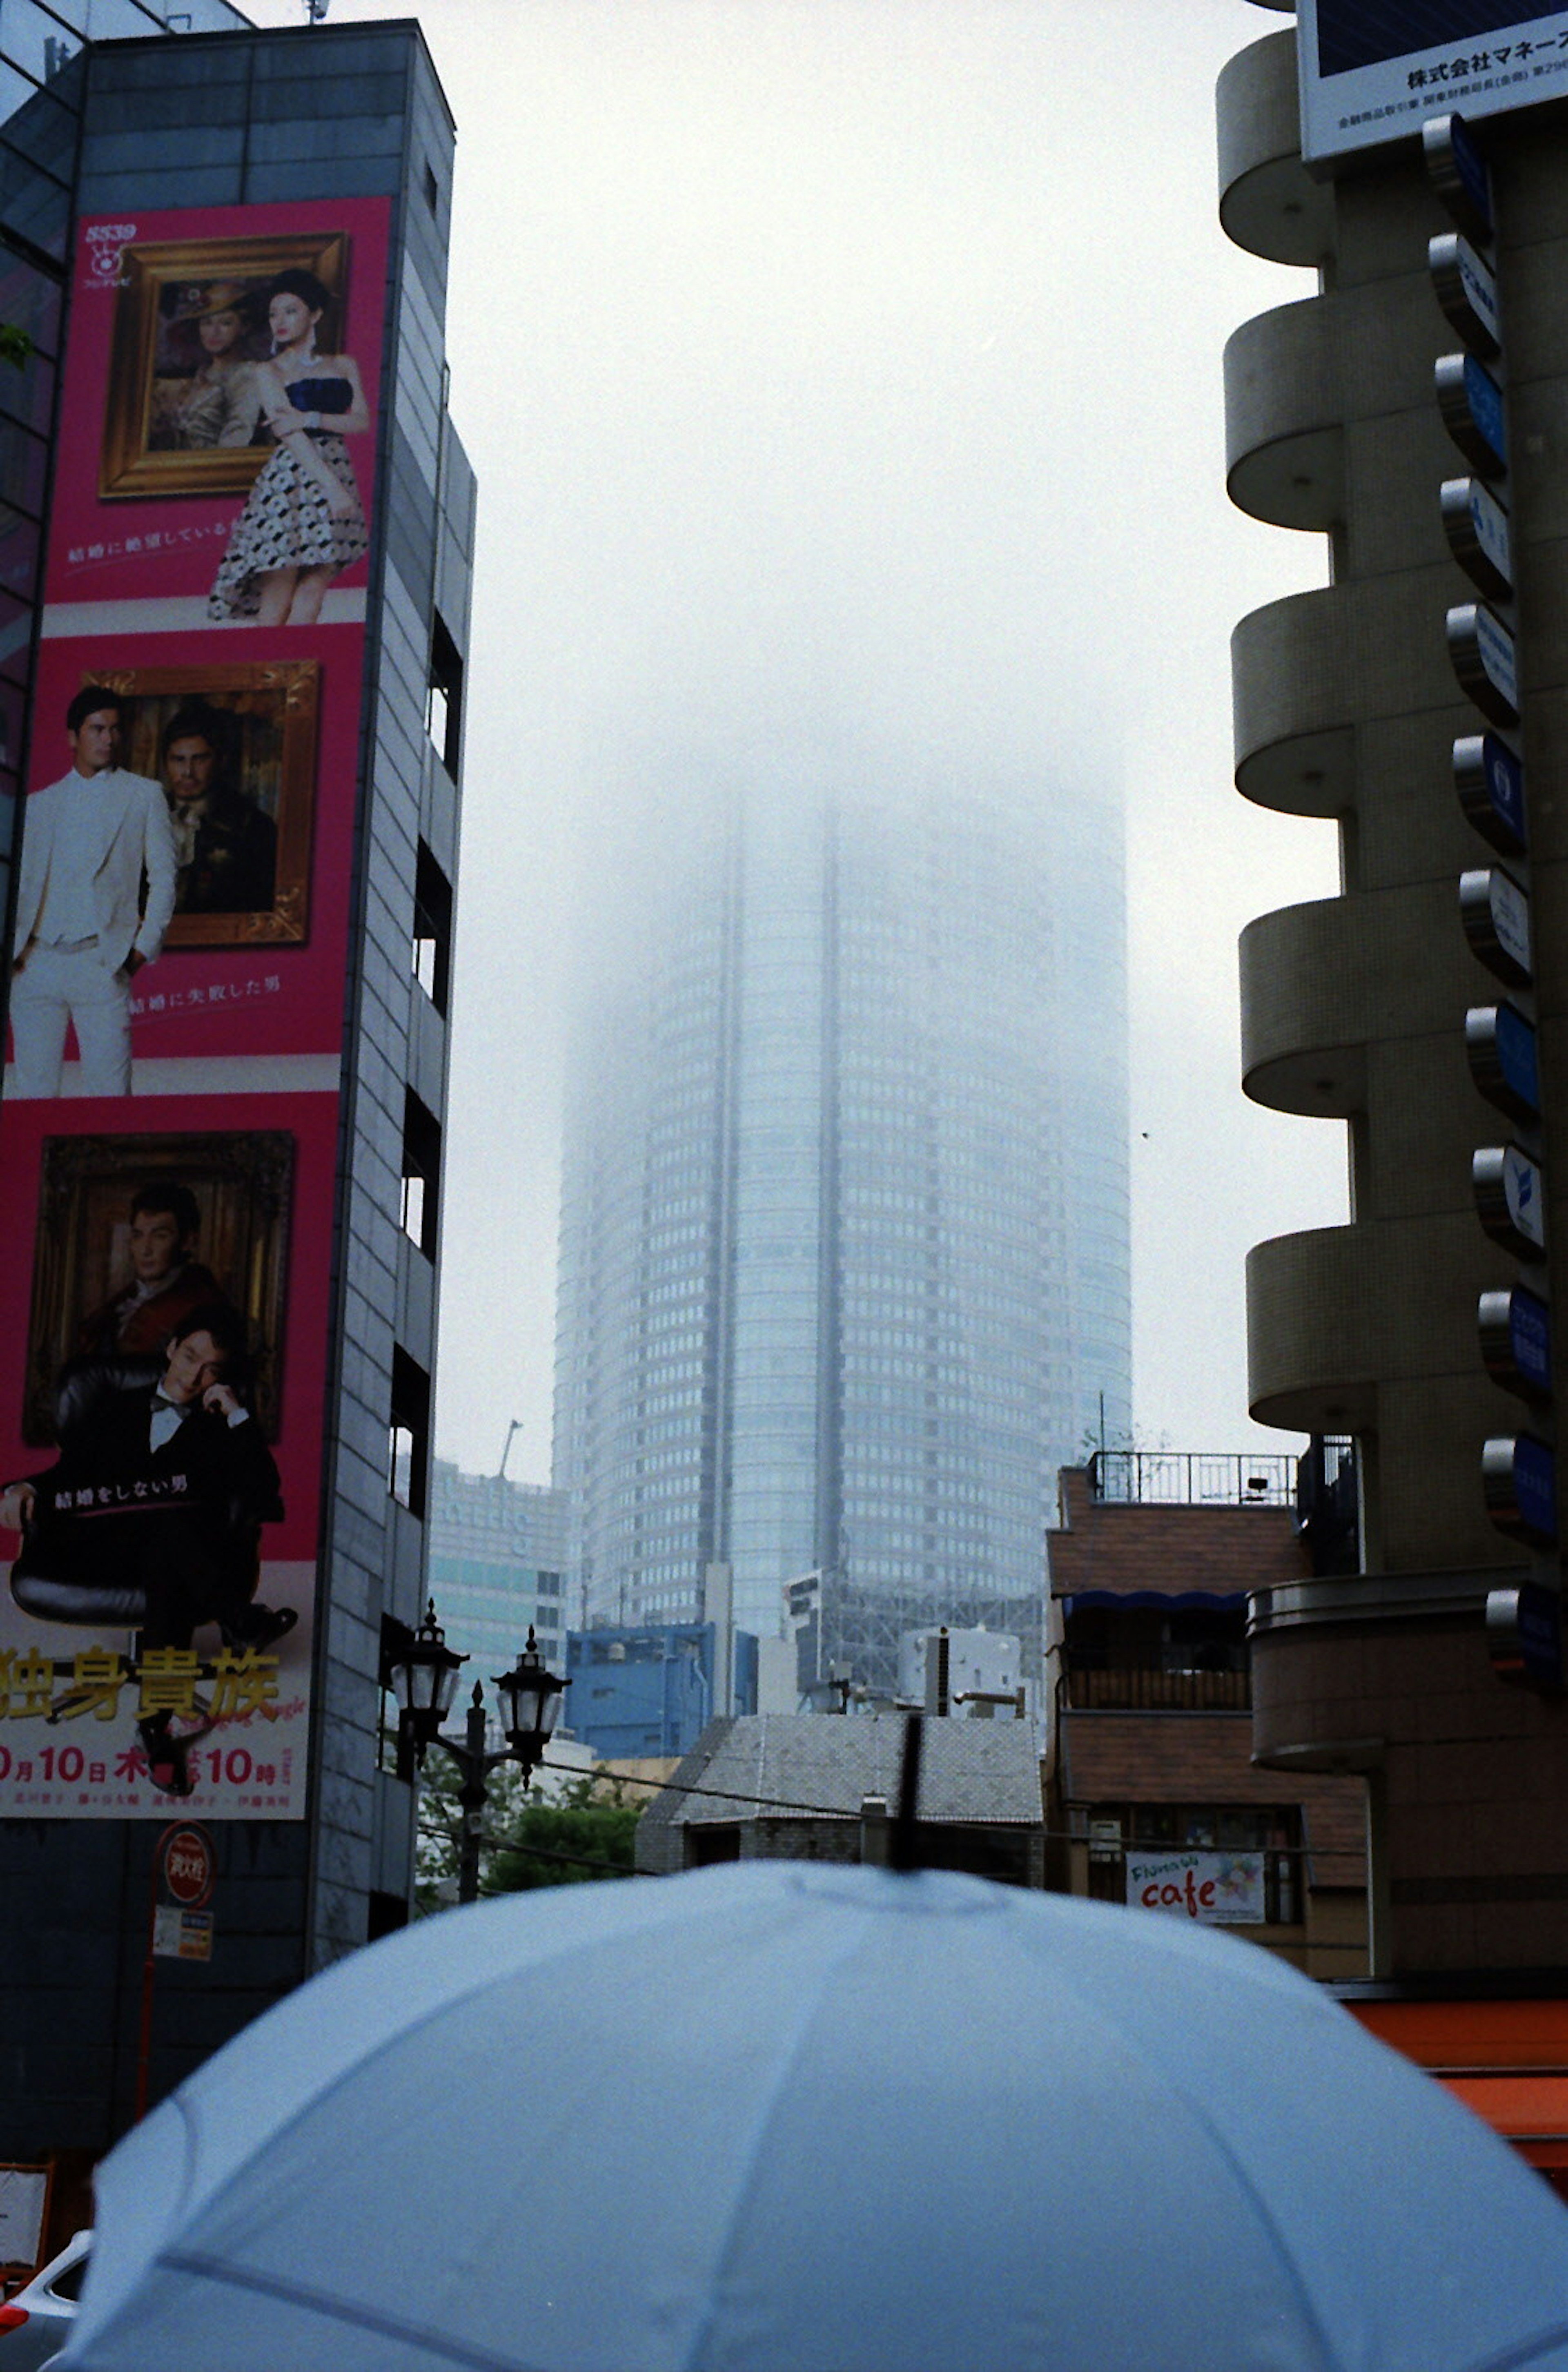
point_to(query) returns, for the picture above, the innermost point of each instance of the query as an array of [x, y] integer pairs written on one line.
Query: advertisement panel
[[1370, 75], [170, 1123], [1221, 1890]]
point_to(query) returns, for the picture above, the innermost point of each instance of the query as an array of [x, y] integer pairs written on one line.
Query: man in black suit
[[160, 1489]]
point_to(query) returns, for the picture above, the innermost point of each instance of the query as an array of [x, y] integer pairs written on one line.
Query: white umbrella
[[777, 2118]]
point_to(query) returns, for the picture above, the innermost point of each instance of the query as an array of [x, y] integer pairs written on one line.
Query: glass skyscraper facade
[[496, 1552], [844, 1244]]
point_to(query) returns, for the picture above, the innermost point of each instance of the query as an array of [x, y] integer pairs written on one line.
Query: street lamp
[[422, 1672]]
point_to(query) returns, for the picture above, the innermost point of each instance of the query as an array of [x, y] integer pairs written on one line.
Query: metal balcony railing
[[1192, 1478], [1130, 1688]]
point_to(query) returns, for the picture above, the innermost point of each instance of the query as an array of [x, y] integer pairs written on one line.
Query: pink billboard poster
[[228, 806], [162, 1396], [222, 398]]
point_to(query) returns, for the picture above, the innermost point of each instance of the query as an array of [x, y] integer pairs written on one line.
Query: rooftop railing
[[1192, 1478]]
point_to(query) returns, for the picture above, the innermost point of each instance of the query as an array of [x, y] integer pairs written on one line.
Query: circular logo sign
[[187, 1870]]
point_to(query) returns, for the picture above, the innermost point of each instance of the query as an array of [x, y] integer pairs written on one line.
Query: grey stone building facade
[[320, 116]]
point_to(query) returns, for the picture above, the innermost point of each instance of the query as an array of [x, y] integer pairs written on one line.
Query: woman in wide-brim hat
[[220, 405]]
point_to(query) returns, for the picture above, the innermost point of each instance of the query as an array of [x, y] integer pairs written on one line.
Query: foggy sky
[[850, 370]]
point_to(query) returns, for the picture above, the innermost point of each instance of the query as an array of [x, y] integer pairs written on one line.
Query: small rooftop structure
[[794, 1787]]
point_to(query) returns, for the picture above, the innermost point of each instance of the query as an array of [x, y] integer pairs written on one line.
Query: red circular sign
[[186, 1855]]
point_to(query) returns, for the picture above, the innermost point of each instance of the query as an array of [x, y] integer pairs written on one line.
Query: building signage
[[168, 1136], [181, 1934], [187, 1866], [1219, 1889], [1471, 402], [1467, 290], [1372, 74], [1519, 1481], [1501, 1045], [1460, 174], [1477, 527], [1524, 1634], [1489, 780], [1482, 649], [1510, 1198], [1514, 1326], [1495, 913]]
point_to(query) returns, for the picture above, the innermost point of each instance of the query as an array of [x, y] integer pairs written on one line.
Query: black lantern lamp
[[423, 1671], [530, 1702]]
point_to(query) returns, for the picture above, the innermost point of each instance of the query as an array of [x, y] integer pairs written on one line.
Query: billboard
[[1371, 72], [168, 1128]]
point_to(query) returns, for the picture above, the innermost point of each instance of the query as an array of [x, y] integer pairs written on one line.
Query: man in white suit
[[97, 891]]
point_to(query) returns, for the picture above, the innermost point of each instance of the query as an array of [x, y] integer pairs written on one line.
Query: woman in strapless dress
[[303, 521]]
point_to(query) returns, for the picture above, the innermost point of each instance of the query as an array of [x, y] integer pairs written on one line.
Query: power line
[[843, 1812]]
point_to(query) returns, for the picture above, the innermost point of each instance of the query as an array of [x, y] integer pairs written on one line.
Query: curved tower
[[844, 1238], [1410, 410]]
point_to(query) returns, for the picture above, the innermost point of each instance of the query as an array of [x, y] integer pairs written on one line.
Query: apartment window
[[432, 954], [444, 697], [422, 1173], [408, 1435]]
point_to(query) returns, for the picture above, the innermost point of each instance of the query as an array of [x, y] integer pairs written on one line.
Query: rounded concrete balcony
[[1283, 410], [1313, 1356], [1319, 981], [1295, 748], [1348, 1328], [1269, 203], [1307, 670]]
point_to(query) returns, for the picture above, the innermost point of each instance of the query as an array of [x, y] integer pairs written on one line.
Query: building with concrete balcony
[[1150, 1771], [1417, 384]]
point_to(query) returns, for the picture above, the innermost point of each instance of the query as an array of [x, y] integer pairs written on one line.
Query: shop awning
[[1507, 2061]]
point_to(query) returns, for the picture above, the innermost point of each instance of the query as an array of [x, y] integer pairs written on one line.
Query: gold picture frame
[[272, 708], [133, 464], [242, 1180]]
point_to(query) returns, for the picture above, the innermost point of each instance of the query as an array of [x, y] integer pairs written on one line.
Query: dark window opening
[[422, 1173], [387, 1913], [432, 929], [711, 1841], [432, 189], [408, 1437], [444, 697]]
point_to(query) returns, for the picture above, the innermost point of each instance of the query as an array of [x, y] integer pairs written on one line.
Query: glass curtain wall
[[845, 1252]]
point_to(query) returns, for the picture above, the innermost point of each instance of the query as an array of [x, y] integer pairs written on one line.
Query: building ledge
[[1378, 1597]]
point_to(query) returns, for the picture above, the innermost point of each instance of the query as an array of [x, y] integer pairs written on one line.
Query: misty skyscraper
[[844, 1235]]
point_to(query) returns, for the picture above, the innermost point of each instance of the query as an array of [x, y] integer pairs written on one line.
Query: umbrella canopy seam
[[1268, 2222], [1528, 2350], [362, 2317], [849, 1946]]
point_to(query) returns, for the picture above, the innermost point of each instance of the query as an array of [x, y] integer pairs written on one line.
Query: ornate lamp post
[[422, 1671]]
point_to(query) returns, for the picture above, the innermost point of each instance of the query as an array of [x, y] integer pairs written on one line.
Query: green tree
[[584, 1832], [588, 1831], [15, 346]]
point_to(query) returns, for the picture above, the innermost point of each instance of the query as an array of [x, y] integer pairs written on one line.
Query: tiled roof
[[1116, 1545], [1202, 1757], [780, 1764]]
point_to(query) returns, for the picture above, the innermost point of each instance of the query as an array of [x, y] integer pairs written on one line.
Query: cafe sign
[[1221, 1890]]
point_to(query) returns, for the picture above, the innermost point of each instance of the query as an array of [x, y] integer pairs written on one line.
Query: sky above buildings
[[849, 371]]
